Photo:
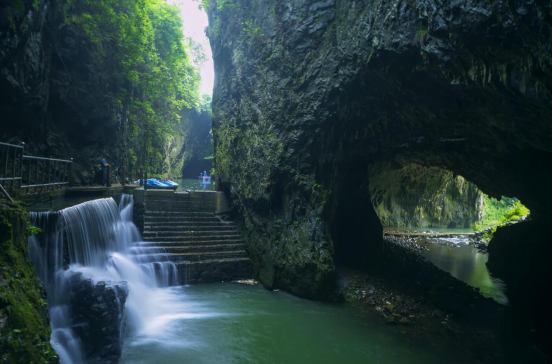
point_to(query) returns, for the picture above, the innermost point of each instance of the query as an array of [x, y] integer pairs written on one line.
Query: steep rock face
[[57, 98], [24, 318], [26, 46], [520, 255], [310, 94], [192, 145], [53, 98], [416, 196]]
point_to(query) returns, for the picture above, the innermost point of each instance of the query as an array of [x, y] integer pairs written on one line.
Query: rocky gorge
[[314, 100], [331, 119], [64, 94]]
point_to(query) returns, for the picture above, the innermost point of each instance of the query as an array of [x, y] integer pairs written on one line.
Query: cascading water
[[91, 252]]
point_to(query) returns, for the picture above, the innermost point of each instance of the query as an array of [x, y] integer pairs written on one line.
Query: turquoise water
[[427, 229], [467, 264], [233, 323], [193, 184]]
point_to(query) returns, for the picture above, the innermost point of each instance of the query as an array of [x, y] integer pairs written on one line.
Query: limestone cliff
[[312, 95], [416, 196], [192, 144]]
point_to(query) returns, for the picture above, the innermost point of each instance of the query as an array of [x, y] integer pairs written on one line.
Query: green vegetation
[[251, 30], [24, 326], [33, 230], [415, 195], [219, 4], [144, 64], [421, 34], [497, 212]]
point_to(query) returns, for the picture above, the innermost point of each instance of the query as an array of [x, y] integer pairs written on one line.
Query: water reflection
[[232, 323], [467, 264], [194, 184]]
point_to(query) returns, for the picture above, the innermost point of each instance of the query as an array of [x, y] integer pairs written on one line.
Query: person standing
[[104, 171]]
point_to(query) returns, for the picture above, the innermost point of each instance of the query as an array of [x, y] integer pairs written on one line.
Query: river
[[235, 323], [469, 265], [192, 184], [215, 323]]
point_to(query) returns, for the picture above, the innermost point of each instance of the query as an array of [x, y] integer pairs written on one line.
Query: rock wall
[[99, 318], [57, 98], [312, 95], [417, 196], [192, 145], [24, 317], [520, 254]]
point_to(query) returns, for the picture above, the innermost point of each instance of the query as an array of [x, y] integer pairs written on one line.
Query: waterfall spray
[[93, 250]]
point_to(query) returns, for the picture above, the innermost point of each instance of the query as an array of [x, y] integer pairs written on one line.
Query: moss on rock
[[24, 318], [412, 195], [326, 89]]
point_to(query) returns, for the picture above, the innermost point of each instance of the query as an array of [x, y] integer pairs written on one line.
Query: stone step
[[166, 200], [173, 209], [142, 251], [168, 244], [175, 228], [173, 197], [185, 223], [190, 256], [172, 204], [192, 237], [207, 233], [179, 219], [216, 270], [154, 213]]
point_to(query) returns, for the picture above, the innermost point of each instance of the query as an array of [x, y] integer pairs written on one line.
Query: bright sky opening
[[195, 22]]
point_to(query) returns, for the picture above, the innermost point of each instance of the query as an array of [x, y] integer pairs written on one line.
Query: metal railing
[[11, 170], [24, 172], [48, 173]]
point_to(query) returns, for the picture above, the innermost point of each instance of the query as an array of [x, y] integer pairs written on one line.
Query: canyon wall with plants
[[92, 79]]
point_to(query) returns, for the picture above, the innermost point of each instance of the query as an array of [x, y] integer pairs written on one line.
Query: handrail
[[39, 173], [47, 159], [12, 145], [6, 193]]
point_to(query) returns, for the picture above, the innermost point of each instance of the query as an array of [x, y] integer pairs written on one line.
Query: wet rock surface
[[98, 318], [315, 98], [24, 317], [407, 243], [416, 196]]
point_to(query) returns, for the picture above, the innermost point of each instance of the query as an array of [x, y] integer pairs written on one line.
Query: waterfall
[[87, 250]]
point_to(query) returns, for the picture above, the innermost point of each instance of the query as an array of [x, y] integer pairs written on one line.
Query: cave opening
[[488, 243]]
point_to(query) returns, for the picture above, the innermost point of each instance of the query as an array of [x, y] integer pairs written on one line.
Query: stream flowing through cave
[[227, 323], [162, 322], [467, 264], [455, 255]]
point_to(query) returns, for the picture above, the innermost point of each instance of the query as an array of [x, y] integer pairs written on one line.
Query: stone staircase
[[182, 233]]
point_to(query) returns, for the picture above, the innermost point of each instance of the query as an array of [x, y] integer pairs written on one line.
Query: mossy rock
[[24, 318]]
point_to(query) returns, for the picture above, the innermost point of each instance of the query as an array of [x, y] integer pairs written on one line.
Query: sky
[[195, 22]]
